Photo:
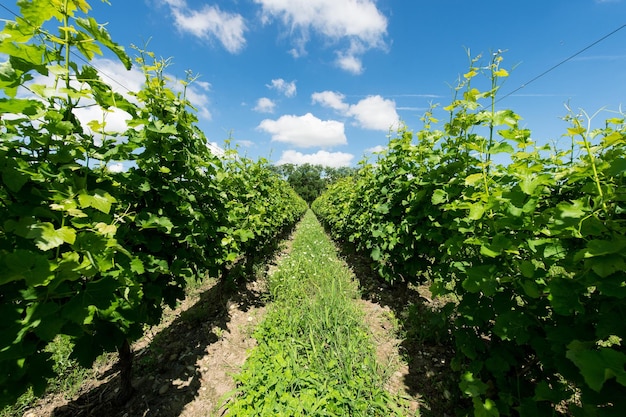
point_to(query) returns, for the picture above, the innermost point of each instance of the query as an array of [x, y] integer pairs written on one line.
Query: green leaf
[[30, 266], [575, 209], [37, 12], [375, 254], [530, 182], [100, 34], [531, 289], [527, 268], [486, 409], [481, 278], [597, 365], [473, 178], [564, 296], [472, 387], [487, 251], [612, 139], [512, 325], [439, 197], [136, 266], [617, 167], [476, 211], [100, 200], [157, 222], [24, 106], [98, 294], [46, 237], [501, 147], [605, 266], [14, 179], [598, 247]]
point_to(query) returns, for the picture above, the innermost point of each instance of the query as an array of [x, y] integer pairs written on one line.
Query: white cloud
[[210, 22], [118, 77], [331, 99], [376, 149], [115, 120], [245, 143], [196, 94], [357, 21], [124, 81], [121, 81], [305, 131], [350, 63], [215, 149], [265, 105], [116, 167], [284, 87], [373, 112], [329, 159]]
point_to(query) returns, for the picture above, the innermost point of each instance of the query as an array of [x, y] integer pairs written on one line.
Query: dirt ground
[[184, 366]]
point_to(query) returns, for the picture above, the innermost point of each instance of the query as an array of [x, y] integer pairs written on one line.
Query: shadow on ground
[[426, 346], [165, 372]]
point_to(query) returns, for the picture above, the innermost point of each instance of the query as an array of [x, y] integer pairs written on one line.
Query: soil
[[184, 366]]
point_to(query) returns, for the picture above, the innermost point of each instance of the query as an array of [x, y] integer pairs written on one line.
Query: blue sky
[[322, 81]]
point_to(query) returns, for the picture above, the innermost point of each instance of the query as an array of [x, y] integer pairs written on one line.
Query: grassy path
[[314, 354]]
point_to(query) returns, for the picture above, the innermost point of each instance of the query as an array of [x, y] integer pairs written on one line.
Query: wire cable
[[562, 62]]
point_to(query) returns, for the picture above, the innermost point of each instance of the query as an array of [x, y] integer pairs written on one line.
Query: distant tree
[[284, 170], [310, 180], [334, 174]]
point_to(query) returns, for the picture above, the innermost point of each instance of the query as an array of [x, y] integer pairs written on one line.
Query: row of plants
[[92, 252], [314, 354], [527, 239]]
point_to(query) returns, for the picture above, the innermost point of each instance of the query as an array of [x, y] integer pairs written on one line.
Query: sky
[[327, 81]]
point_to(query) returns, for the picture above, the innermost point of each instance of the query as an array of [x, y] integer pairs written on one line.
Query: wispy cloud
[[283, 87], [264, 105], [325, 158], [357, 22], [210, 23]]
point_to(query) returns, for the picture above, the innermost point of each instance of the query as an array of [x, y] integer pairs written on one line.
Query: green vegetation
[[314, 354], [69, 377], [94, 254], [309, 181], [529, 240]]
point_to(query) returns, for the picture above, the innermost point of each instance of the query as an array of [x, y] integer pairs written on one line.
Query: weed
[[314, 354]]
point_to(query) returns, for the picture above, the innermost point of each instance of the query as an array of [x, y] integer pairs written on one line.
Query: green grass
[[70, 377], [314, 355]]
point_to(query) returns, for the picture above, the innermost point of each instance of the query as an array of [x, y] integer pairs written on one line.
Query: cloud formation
[[209, 23], [305, 131], [325, 158], [264, 105], [372, 112], [357, 22], [375, 113], [331, 99], [283, 87], [124, 82]]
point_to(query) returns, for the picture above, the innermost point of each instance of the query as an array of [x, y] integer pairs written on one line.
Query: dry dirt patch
[[183, 366]]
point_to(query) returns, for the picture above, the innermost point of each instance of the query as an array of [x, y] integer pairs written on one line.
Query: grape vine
[[90, 252], [528, 239]]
